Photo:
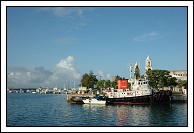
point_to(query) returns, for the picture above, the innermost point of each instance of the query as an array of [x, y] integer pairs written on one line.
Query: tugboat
[[139, 93]]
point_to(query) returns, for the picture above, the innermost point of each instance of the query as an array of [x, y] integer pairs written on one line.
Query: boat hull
[[160, 97], [92, 101]]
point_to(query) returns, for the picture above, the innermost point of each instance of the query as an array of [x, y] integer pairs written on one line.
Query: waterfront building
[[179, 74]]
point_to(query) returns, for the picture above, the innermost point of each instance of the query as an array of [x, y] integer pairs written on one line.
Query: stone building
[[179, 74]]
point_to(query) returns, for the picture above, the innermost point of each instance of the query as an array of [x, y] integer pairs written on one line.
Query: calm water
[[27, 109]]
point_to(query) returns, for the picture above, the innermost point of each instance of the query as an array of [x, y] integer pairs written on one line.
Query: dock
[[179, 98], [69, 96]]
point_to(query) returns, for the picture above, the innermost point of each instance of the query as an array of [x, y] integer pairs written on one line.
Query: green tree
[[160, 78], [107, 83], [137, 72], [182, 83], [114, 83], [101, 84], [89, 80], [172, 82]]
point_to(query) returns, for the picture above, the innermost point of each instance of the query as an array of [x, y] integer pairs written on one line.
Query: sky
[[55, 46]]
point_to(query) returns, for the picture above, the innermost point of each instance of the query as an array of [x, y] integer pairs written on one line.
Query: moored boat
[[95, 100], [139, 93]]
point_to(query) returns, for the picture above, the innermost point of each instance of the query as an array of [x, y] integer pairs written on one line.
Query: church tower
[[148, 63]]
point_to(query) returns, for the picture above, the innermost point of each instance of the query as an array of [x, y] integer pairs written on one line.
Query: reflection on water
[[53, 110], [93, 106], [122, 115]]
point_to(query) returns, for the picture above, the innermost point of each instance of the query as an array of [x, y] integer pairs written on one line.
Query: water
[[34, 110]]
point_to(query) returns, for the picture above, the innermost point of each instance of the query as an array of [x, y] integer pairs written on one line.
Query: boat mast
[[130, 69], [65, 87]]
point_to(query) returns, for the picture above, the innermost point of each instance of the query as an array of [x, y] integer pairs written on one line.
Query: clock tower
[[148, 63]]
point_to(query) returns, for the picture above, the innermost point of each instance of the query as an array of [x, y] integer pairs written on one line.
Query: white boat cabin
[[138, 88]]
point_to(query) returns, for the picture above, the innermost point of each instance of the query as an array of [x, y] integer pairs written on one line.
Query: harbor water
[[40, 110]]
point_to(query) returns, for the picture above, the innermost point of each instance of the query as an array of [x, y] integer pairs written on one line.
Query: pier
[[177, 98], [69, 96]]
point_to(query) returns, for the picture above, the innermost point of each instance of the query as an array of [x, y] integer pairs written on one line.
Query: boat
[[95, 100], [139, 93]]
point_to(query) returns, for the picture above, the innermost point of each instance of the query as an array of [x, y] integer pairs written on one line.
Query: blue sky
[[51, 45]]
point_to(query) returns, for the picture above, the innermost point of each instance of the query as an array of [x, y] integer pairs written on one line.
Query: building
[[179, 74], [148, 63]]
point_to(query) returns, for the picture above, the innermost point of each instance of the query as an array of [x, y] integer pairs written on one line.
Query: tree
[[172, 82], [107, 83], [89, 80], [182, 83], [160, 78], [137, 72], [114, 83], [101, 84]]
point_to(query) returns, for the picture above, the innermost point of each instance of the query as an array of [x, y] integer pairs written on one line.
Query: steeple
[[148, 58], [148, 63]]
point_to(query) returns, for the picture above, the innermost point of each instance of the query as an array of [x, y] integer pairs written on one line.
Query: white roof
[[148, 58]]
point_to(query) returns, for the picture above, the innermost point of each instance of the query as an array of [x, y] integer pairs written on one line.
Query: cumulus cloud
[[67, 68], [23, 77], [36, 77], [147, 36]]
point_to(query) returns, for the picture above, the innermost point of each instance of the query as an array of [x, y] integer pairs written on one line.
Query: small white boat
[[94, 100]]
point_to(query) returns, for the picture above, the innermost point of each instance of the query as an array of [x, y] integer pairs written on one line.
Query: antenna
[[139, 66], [130, 71], [66, 85]]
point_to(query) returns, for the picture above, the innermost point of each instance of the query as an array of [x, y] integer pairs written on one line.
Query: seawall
[[179, 98]]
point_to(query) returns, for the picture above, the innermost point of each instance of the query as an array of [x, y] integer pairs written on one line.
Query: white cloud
[[67, 68], [147, 36], [64, 11], [72, 17], [23, 77]]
